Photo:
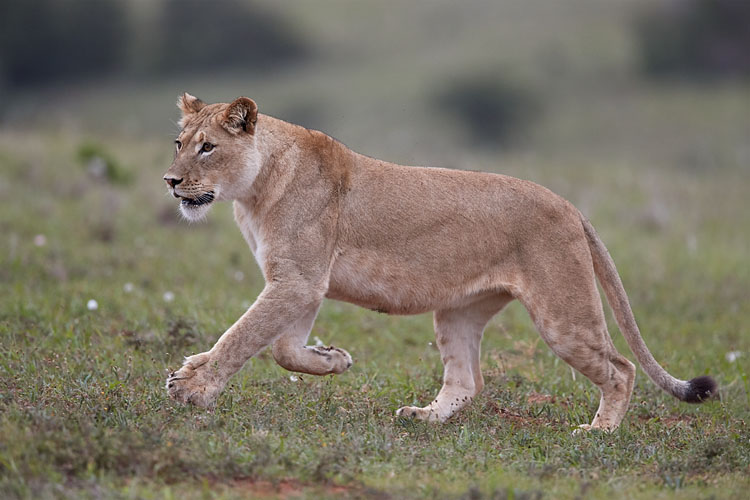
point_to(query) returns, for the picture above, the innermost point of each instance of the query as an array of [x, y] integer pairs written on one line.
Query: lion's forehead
[[205, 123]]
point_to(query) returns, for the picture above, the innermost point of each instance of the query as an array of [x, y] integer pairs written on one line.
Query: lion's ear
[[241, 115], [189, 104]]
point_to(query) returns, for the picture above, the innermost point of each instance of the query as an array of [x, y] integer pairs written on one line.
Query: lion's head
[[215, 153]]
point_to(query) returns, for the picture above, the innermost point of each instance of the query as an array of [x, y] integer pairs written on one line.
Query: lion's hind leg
[[291, 353], [571, 321], [459, 334]]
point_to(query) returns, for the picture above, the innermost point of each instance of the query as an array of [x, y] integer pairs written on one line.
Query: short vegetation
[[103, 289]]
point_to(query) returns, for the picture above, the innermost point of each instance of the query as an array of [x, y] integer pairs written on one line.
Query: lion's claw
[[196, 382]]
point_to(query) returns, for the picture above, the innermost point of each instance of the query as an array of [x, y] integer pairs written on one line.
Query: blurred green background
[[653, 84], [636, 111]]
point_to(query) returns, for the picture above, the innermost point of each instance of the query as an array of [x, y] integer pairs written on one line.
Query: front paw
[[338, 359], [198, 382]]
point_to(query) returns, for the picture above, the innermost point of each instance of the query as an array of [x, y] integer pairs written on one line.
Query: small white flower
[[732, 356], [128, 287], [92, 305], [429, 344], [168, 296], [318, 342], [293, 378], [97, 167], [691, 242], [40, 240], [246, 304], [239, 276]]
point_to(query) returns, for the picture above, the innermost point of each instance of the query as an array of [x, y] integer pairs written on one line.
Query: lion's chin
[[195, 209], [194, 213]]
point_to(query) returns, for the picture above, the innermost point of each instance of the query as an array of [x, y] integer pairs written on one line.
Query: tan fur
[[324, 221]]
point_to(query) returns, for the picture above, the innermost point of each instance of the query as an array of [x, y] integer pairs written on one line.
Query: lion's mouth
[[203, 199]]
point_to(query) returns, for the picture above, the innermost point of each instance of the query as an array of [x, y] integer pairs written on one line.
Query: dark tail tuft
[[700, 389]]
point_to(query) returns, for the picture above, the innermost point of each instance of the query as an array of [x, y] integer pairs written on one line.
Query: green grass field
[[660, 169], [84, 412]]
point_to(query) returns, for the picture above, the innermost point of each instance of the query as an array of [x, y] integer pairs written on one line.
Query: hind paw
[[427, 414]]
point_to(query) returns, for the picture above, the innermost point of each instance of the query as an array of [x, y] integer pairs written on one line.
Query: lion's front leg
[[202, 377], [291, 352]]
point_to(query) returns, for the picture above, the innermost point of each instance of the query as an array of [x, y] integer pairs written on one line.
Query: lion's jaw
[[237, 178], [195, 209], [232, 182]]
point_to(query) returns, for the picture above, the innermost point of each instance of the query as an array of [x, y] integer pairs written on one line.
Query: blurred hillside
[[415, 82], [78, 40]]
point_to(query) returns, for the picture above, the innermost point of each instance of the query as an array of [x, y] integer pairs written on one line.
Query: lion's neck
[[289, 152], [271, 142]]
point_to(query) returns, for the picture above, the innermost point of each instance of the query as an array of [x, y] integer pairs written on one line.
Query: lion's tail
[[696, 390]]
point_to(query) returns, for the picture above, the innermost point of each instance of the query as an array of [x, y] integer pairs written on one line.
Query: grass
[[85, 414], [661, 170]]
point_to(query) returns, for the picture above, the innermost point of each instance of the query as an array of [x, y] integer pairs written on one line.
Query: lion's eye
[[178, 144], [207, 146]]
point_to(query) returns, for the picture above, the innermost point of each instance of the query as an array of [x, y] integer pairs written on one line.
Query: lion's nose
[[172, 181]]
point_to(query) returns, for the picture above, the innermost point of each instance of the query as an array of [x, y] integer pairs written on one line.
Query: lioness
[[324, 221]]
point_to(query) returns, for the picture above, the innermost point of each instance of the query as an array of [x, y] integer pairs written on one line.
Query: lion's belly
[[395, 285], [353, 281]]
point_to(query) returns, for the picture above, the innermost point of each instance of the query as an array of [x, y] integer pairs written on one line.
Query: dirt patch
[[537, 398], [505, 414], [523, 418], [669, 420]]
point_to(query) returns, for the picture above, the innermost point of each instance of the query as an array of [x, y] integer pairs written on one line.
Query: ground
[[103, 289], [84, 410]]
